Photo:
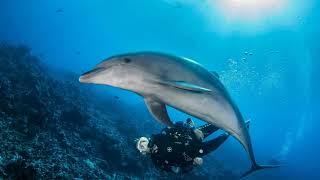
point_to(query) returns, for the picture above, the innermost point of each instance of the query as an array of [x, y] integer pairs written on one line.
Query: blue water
[[276, 87]]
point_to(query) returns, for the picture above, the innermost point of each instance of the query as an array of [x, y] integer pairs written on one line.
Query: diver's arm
[[212, 145]]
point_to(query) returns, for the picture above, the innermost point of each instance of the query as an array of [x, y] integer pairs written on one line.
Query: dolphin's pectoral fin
[[158, 111], [215, 74], [186, 86]]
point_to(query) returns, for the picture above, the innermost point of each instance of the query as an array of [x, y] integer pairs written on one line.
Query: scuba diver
[[179, 148]]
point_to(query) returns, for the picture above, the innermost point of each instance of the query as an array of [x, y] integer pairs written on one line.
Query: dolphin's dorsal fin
[[186, 86], [215, 74], [158, 111]]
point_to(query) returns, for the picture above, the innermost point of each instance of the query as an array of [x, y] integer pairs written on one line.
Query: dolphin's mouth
[[85, 77]]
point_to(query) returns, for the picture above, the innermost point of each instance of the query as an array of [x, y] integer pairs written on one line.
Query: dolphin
[[163, 79]]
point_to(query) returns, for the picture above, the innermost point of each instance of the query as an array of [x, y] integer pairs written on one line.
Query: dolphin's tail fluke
[[257, 167]]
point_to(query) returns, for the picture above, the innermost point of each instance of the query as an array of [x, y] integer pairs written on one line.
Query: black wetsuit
[[178, 146]]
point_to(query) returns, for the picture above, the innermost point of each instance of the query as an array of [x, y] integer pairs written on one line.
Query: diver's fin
[[215, 74], [257, 167], [186, 86], [158, 111]]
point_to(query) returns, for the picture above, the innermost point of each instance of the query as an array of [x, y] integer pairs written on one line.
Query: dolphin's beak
[[88, 76]]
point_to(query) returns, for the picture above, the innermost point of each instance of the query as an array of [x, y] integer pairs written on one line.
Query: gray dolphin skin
[[163, 79]]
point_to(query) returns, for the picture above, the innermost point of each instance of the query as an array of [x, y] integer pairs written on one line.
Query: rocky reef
[[55, 128]]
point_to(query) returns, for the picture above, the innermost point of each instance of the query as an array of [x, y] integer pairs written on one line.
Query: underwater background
[[52, 127]]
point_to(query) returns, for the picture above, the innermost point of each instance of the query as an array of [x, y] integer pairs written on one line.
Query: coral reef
[[58, 129]]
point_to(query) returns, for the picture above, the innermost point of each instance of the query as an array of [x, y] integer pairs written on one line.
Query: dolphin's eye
[[127, 60]]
